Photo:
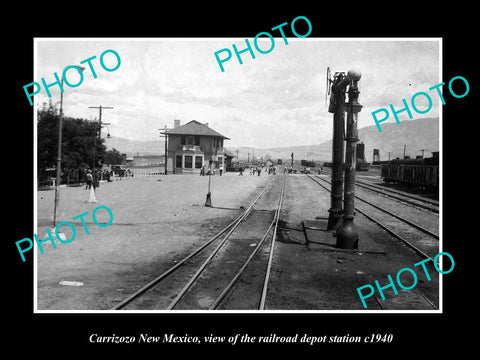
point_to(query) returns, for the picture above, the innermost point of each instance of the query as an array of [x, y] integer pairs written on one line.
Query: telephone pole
[[99, 126], [164, 133], [100, 117]]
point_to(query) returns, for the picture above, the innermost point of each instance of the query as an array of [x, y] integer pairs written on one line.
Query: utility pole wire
[[100, 117]]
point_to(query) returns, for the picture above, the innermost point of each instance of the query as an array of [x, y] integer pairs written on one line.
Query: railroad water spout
[[337, 100], [347, 236]]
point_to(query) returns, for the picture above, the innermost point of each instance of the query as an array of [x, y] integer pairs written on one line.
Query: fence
[[138, 173]]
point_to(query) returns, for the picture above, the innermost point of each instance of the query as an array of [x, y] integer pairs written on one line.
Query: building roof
[[195, 128]]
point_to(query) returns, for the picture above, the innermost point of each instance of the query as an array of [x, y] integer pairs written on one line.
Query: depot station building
[[192, 145]]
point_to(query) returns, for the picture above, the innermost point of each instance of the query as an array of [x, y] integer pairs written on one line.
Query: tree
[[112, 157], [47, 135], [78, 139]]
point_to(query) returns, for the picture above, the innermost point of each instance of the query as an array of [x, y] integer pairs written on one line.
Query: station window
[[188, 162], [198, 162], [189, 140], [178, 161]]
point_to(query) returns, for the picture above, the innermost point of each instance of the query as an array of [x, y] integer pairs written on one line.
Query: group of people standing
[[258, 170], [204, 171]]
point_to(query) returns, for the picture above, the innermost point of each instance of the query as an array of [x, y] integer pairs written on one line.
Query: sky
[[274, 100]]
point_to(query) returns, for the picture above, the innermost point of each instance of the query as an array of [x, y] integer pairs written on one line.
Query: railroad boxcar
[[307, 163], [414, 172]]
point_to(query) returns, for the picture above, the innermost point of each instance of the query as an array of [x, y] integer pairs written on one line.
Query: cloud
[[273, 100]]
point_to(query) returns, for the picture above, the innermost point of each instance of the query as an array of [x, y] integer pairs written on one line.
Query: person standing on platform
[[89, 180]]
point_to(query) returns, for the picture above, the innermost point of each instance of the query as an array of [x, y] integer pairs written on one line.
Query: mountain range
[[416, 136]]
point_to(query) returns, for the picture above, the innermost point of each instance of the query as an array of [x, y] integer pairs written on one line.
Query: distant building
[[360, 151], [376, 156], [149, 160], [229, 156], [192, 146]]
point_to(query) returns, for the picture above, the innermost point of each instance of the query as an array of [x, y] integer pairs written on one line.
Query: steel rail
[[426, 231], [428, 205], [418, 293], [219, 246], [413, 247], [388, 192], [172, 269], [394, 234], [386, 228], [399, 192], [162, 276], [419, 227], [270, 257], [227, 289]]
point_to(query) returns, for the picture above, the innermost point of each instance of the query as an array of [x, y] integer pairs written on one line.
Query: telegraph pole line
[[99, 134], [100, 117], [165, 135]]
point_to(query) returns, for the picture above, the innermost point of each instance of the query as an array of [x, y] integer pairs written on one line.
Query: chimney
[[206, 124], [176, 123]]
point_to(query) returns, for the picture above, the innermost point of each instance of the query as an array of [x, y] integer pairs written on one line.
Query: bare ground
[[159, 220]]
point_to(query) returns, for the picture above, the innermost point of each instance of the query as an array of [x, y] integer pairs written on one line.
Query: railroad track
[[420, 239], [424, 244], [413, 200], [216, 282]]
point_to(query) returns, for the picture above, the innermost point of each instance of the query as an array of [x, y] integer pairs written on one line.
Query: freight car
[[413, 172], [307, 163]]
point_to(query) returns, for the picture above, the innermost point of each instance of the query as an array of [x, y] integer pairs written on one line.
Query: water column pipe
[[337, 100], [347, 236]]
